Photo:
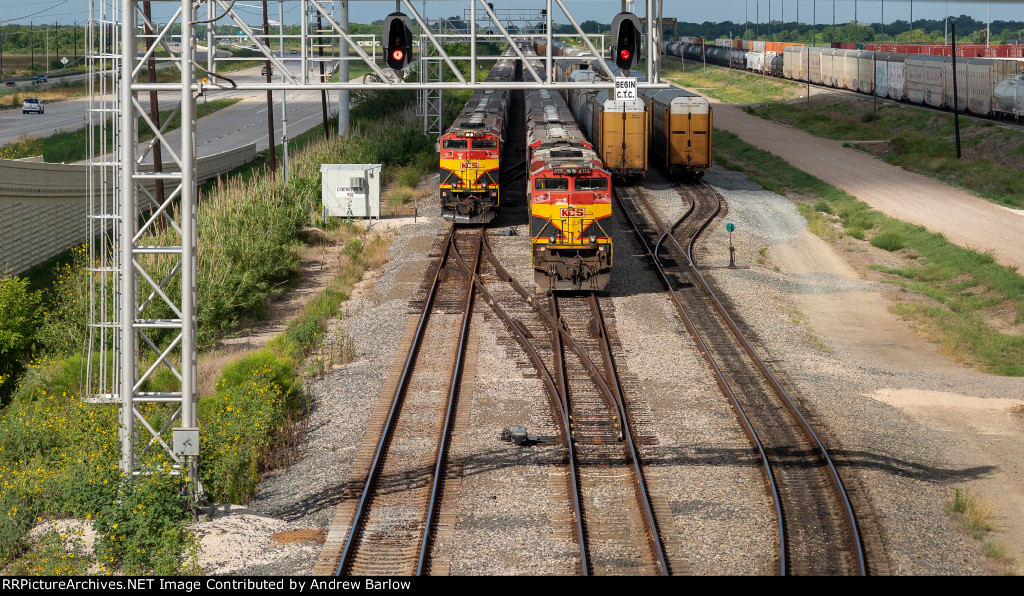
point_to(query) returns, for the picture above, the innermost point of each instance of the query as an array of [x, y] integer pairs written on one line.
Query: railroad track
[[604, 471], [818, 532], [623, 540], [396, 511]]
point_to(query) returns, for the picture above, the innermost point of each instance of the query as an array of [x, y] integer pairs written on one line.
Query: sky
[[365, 11]]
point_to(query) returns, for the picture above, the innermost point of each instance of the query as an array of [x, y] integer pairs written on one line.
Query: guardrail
[[43, 206]]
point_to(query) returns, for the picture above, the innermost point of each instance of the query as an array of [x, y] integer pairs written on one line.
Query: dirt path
[[988, 431], [964, 219]]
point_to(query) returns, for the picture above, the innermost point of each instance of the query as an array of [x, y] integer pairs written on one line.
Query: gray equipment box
[[350, 190]]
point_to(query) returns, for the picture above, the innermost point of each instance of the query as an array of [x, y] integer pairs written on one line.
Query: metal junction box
[[350, 190]]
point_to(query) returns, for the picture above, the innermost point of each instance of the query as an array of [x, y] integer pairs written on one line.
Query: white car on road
[[32, 104]]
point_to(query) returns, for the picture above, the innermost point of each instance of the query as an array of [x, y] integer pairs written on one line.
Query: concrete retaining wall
[[43, 206]]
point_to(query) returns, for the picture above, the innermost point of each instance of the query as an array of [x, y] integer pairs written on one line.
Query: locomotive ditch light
[[592, 239], [397, 38], [551, 239], [626, 33]]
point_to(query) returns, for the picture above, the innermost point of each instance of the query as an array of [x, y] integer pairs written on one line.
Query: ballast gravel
[[507, 517]]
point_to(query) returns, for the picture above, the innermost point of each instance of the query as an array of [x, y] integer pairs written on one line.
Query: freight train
[[570, 195], [668, 127], [618, 129], [984, 86], [471, 149]]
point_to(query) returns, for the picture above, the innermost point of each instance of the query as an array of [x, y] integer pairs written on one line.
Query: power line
[[62, 2]]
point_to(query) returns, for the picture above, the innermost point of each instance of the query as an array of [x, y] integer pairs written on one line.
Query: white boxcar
[[962, 91], [934, 90], [881, 69], [846, 69], [790, 56], [983, 75], [814, 69], [896, 72], [915, 78], [865, 70], [828, 73]]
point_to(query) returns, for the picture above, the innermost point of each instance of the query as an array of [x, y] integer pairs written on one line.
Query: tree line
[[968, 30]]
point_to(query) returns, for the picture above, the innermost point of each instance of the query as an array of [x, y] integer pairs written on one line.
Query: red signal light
[[397, 55], [624, 54]]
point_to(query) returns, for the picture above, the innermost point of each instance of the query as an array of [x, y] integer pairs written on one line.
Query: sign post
[[732, 250]]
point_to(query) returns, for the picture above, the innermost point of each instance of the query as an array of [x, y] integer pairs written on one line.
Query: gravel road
[[965, 219]]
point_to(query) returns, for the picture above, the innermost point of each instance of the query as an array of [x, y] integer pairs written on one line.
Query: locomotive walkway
[[964, 219]]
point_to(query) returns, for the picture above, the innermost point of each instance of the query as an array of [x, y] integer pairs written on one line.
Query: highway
[[240, 124]]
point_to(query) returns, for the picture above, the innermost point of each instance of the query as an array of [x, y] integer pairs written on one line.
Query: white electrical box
[[350, 190]]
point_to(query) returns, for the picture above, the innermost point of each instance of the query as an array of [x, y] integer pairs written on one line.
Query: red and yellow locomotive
[[570, 195], [471, 153]]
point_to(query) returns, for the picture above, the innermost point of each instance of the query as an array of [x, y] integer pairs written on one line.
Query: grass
[[959, 298], [919, 141], [727, 85], [975, 516]]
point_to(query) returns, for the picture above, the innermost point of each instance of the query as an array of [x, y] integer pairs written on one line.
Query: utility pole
[[343, 75], [32, 42], [284, 94], [956, 110], [270, 96], [320, 54]]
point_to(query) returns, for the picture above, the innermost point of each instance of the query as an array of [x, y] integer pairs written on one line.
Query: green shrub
[[62, 376], [143, 529], [353, 248], [19, 325], [409, 176], [823, 206], [281, 370], [238, 424], [890, 240]]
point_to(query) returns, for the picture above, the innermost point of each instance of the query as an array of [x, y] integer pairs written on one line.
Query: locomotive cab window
[[455, 144], [485, 144], [551, 184], [591, 184]]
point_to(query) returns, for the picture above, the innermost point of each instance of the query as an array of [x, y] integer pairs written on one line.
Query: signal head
[[626, 36], [397, 39]]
